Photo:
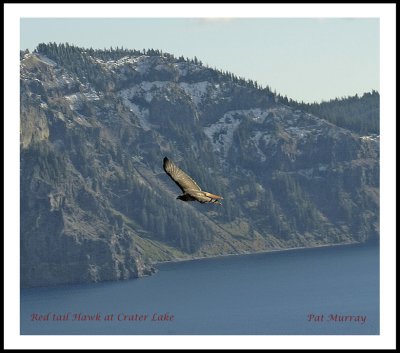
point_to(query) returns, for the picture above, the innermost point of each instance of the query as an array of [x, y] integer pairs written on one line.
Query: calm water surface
[[331, 290]]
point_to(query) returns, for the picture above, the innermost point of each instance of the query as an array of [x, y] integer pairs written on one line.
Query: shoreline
[[155, 264], [254, 253]]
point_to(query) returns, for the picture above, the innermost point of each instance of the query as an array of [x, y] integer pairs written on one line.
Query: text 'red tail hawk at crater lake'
[[191, 191]]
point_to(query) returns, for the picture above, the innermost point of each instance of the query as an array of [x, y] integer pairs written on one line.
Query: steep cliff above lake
[[96, 204]]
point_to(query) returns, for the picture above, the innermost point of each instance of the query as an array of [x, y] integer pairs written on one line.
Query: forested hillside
[[358, 114]]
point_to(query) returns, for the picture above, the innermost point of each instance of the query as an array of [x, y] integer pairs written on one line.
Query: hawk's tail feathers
[[213, 196]]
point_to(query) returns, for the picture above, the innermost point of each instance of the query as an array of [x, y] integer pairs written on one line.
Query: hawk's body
[[191, 191]]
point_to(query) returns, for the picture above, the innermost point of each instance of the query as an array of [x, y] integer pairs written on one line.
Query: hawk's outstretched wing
[[184, 181]]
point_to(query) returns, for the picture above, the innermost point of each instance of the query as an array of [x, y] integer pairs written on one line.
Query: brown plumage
[[191, 191]]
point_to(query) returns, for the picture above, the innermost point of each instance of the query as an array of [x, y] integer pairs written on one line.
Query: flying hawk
[[191, 191]]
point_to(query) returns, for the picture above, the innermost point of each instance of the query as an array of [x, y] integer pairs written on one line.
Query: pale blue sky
[[305, 59]]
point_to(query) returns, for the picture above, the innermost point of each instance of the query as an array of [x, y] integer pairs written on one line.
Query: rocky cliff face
[[96, 204]]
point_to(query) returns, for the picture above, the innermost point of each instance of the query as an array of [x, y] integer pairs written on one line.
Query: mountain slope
[[358, 114], [96, 204]]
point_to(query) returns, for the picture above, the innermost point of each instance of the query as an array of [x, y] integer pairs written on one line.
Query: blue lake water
[[297, 292]]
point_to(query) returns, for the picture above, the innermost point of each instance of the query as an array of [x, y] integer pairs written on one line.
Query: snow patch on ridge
[[197, 91], [221, 133]]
